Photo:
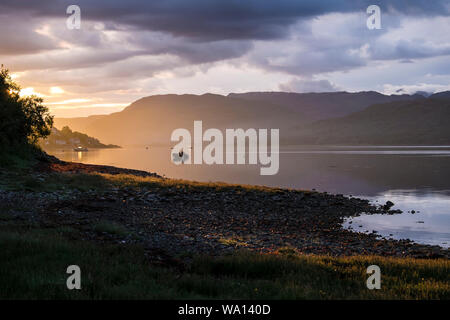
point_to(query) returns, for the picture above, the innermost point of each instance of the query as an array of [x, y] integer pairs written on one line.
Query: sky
[[126, 50]]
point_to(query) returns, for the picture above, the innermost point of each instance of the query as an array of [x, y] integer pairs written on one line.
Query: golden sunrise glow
[[69, 101], [29, 91], [56, 90], [110, 104]]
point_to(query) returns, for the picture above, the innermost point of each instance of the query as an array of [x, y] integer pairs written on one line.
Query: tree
[[23, 120], [66, 132]]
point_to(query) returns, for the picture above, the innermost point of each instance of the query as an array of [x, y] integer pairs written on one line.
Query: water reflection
[[425, 217], [345, 171]]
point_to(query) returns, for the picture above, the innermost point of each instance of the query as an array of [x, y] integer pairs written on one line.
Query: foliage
[[23, 119]]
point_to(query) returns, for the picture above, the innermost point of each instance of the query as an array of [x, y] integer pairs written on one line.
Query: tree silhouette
[[23, 120]]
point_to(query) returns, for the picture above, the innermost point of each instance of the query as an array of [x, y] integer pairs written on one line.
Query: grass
[[235, 242], [124, 180], [33, 265], [20, 179]]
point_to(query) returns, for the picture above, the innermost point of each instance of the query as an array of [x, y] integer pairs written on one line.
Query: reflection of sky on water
[[429, 224]]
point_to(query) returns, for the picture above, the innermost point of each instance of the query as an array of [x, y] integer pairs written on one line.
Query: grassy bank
[[34, 261]]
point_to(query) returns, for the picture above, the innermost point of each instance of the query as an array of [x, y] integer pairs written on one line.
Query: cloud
[[193, 52], [20, 38], [203, 31], [338, 42], [333, 42], [411, 89], [308, 85], [413, 39], [205, 20]]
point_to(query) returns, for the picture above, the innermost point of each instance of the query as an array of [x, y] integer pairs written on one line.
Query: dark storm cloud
[[192, 52], [300, 38], [207, 20]]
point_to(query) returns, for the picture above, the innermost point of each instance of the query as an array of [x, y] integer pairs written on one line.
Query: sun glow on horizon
[[70, 101], [29, 91]]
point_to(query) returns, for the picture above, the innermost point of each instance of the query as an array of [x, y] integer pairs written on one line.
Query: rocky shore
[[181, 219]]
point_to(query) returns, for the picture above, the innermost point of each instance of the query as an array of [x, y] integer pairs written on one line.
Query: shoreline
[[186, 217], [137, 235]]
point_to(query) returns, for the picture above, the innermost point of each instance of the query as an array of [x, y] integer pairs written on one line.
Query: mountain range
[[417, 122], [303, 118]]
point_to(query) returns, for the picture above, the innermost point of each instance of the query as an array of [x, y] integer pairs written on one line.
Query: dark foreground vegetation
[[34, 260]]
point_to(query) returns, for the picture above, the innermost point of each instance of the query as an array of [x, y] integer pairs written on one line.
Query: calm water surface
[[414, 178]]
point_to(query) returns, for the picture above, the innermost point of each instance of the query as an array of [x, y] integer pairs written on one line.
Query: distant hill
[[66, 138], [324, 105], [441, 95], [418, 122], [152, 119]]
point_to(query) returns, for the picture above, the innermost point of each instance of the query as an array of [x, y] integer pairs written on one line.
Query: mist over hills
[[303, 118]]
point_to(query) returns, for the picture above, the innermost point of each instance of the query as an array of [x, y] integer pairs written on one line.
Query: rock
[[388, 205]]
